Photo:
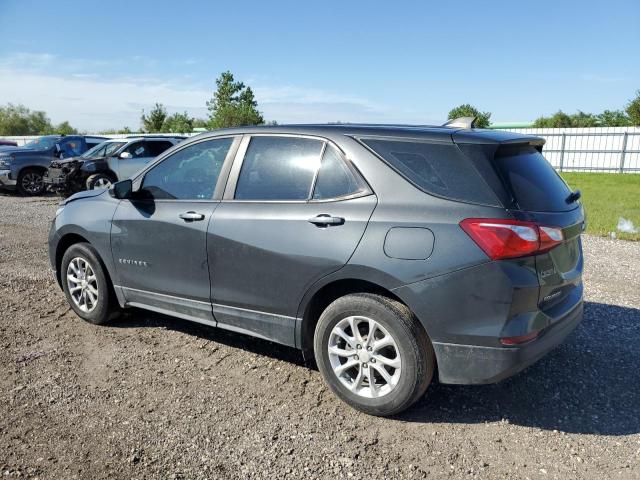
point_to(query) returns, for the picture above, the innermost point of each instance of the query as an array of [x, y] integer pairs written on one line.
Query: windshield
[[112, 148], [103, 149], [42, 143]]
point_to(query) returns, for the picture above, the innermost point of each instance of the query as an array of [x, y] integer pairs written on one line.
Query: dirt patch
[[156, 397]]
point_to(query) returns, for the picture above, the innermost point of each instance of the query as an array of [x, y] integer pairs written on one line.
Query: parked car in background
[[7, 143], [105, 163], [388, 254], [23, 168]]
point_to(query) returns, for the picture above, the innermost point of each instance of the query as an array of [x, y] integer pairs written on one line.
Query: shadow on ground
[[590, 384]]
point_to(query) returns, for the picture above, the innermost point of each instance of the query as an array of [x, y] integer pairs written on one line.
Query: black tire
[[31, 182], [97, 178], [415, 350], [106, 308]]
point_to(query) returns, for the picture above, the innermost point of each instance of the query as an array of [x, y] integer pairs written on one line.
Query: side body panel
[[265, 256], [160, 258]]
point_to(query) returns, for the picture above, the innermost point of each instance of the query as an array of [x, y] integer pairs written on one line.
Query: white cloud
[[92, 102]]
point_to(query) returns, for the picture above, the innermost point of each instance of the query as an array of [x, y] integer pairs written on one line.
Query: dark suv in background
[[23, 168], [385, 253], [105, 163]]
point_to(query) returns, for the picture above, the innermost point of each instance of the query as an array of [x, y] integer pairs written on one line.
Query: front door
[[158, 238], [279, 230]]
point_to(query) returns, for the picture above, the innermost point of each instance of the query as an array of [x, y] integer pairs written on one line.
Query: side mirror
[[126, 155], [122, 190]]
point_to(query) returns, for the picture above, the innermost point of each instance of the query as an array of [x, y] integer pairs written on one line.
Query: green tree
[[613, 118], [200, 123], [233, 104], [557, 120], [467, 110], [19, 120], [581, 119], [178, 123], [65, 129], [154, 122], [633, 109]]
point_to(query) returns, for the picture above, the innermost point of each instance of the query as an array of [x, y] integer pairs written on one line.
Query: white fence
[[601, 149]]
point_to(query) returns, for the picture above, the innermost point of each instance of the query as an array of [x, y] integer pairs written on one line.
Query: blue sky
[[98, 64]]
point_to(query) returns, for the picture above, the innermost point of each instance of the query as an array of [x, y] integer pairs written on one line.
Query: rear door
[[283, 224], [543, 197]]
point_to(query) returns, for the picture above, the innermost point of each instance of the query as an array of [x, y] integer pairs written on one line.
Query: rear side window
[[138, 150], [335, 178], [533, 182], [278, 168], [156, 147], [439, 169]]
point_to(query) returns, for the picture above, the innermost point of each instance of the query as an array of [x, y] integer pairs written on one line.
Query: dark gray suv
[[384, 253]]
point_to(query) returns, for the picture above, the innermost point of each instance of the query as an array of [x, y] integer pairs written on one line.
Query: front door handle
[[325, 220], [191, 216]]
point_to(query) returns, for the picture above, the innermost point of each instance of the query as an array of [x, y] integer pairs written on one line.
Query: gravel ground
[[154, 397]]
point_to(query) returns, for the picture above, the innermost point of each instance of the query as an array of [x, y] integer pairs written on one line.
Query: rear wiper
[[573, 196]]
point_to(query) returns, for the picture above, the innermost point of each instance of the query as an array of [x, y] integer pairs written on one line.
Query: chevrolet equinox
[[384, 253]]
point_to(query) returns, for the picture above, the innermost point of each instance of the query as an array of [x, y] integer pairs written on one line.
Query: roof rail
[[461, 122]]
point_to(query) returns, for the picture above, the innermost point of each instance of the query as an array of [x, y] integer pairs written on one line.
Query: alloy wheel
[[101, 183], [364, 356], [32, 182], [82, 284]]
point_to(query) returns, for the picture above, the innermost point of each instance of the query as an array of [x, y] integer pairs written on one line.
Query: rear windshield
[[533, 182], [438, 169]]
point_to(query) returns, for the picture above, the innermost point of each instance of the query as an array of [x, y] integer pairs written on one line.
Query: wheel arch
[[63, 245], [323, 297]]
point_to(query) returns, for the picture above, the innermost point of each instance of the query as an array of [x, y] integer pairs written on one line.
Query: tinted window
[[278, 168], [189, 174], [138, 150], [439, 169], [156, 147], [534, 183], [335, 178]]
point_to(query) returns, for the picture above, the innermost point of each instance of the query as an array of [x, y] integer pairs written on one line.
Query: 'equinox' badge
[[137, 263]]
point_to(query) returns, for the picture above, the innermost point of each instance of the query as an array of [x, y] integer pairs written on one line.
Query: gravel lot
[[154, 397]]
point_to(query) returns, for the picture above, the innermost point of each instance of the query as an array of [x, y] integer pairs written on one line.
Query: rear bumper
[[471, 364], [5, 181]]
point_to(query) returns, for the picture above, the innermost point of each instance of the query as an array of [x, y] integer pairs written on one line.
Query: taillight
[[500, 238]]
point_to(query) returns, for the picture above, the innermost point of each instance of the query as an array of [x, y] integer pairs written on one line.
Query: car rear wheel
[[30, 182], [99, 181], [85, 285], [373, 353]]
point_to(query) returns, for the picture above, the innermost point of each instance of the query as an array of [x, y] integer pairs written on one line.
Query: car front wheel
[[99, 181], [85, 285], [373, 353], [30, 182]]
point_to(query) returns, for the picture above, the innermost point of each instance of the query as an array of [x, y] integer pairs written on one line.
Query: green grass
[[606, 198]]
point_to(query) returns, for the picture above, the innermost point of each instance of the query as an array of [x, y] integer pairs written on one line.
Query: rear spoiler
[[496, 138]]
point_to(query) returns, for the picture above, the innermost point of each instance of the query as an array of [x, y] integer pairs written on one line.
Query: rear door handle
[[191, 216], [325, 220]]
